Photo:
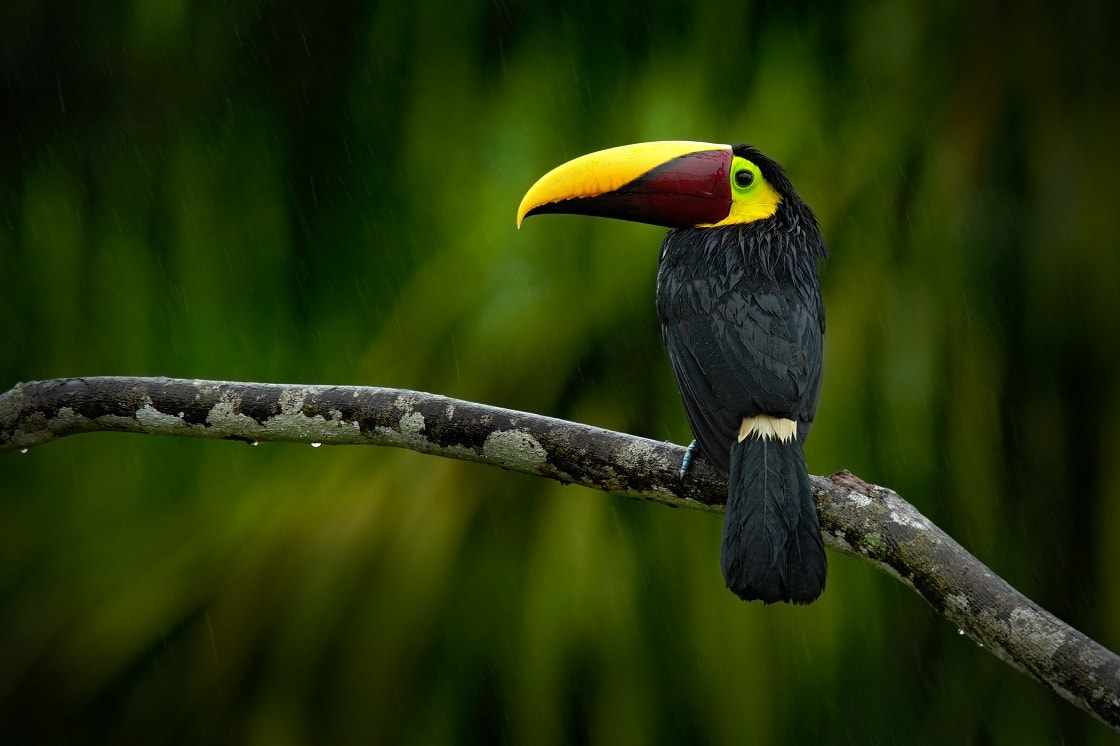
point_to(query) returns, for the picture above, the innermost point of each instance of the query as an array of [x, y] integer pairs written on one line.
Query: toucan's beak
[[675, 184]]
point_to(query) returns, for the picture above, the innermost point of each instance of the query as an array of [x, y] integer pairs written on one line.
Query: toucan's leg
[[689, 452]]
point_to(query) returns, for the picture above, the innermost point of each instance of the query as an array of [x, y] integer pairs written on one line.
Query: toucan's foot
[[686, 462]]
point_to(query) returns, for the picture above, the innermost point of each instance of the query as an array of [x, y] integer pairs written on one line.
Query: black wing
[[740, 345]]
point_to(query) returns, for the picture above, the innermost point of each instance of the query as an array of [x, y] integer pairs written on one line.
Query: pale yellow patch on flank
[[765, 427]]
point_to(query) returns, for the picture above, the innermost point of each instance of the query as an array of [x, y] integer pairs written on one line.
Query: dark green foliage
[[325, 192]]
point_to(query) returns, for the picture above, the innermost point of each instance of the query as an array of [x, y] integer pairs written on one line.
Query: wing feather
[[741, 344]]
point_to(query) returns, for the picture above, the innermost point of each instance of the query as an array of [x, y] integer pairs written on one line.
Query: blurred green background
[[325, 193]]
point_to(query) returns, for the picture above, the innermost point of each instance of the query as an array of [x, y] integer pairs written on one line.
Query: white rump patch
[[768, 427]]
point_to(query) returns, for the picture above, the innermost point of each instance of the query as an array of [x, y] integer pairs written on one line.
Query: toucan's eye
[[744, 178]]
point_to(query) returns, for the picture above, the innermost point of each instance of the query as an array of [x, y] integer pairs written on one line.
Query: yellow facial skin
[[756, 201]]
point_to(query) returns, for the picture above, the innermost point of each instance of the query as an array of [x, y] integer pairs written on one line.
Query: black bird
[[742, 319]]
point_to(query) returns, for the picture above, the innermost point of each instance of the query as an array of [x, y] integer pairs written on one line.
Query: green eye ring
[[745, 175]]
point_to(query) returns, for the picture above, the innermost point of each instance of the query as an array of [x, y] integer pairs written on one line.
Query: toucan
[[739, 300]]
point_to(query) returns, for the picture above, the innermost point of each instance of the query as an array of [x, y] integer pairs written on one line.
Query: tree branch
[[857, 518]]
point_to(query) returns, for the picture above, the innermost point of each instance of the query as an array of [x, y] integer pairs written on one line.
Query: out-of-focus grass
[[289, 192]]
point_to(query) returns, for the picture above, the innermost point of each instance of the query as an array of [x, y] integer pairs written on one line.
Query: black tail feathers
[[772, 547]]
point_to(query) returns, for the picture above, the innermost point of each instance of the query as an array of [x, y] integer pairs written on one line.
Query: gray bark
[[857, 518]]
